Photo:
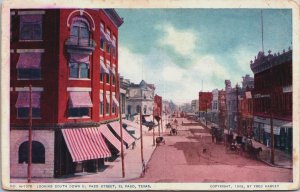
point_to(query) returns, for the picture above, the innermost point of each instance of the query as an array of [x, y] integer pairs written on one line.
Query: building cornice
[[113, 15]]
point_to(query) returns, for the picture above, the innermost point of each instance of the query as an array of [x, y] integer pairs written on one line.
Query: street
[[184, 159]]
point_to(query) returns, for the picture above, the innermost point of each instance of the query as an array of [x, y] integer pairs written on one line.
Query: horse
[[160, 140], [254, 152], [173, 131]]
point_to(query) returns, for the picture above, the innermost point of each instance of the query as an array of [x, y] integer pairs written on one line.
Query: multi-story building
[[70, 58], [157, 106], [124, 94], [215, 106], [272, 96], [205, 101], [246, 106], [140, 98], [232, 95], [195, 105], [222, 109]]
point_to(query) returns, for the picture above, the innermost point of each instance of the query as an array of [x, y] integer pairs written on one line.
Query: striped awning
[[85, 143], [110, 137], [132, 126], [115, 101], [127, 138]]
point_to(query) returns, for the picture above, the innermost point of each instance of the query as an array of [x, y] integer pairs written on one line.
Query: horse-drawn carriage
[[217, 134], [242, 145]]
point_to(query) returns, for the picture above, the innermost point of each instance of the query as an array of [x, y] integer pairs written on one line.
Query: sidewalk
[[281, 158], [113, 170]]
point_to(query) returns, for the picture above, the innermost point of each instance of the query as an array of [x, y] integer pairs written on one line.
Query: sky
[[178, 49]]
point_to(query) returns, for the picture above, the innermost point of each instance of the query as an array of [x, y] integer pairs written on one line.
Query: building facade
[[215, 106], [70, 58], [195, 105], [272, 97], [140, 98], [205, 101]]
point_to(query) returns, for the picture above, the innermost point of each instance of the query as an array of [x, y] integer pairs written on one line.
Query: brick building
[[70, 57], [157, 106], [272, 96], [205, 100]]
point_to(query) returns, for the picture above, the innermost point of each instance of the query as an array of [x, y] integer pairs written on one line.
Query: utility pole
[[121, 129], [237, 109], [142, 148], [153, 127], [206, 113], [29, 137], [271, 119]]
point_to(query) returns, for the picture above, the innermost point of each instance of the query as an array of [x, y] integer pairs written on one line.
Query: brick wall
[[17, 137]]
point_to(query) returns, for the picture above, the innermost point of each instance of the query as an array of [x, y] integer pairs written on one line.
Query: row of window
[[31, 28], [78, 107]]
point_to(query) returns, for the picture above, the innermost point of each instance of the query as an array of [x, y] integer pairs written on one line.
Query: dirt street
[[192, 157]]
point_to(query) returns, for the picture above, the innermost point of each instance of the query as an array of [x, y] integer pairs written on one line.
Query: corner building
[[70, 58]]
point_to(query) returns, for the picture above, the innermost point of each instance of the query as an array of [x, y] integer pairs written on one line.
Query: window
[[29, 73], [138, 109], [23, 112], [101, 77], [108, 46], [79, 104], [107, 102], [113, 80], [101, 103], [29, 66], [79, 70], [80, 33], [102, 44], [31, 27], [145, 109], [114, 46], [38, 152], [23, 103], [79, 112]]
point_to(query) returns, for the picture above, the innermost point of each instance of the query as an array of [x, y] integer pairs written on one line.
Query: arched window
[[138, 109], [145, 109], [129, 109], [80, 29], [38, 152]]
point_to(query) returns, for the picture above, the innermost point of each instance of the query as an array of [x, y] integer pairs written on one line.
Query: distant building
[[124, 94], [232, 95], [140, 98], [205, 100], [158, 106], [215, 106], [195, 105], [246, 105], [272, 96], [222, 109]]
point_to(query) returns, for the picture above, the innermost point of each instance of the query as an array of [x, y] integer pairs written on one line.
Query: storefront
[[282, 130]]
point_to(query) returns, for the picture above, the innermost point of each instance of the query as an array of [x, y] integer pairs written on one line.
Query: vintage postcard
[[150, 95]]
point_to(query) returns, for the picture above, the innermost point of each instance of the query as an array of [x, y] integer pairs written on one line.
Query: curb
[[274, 165]]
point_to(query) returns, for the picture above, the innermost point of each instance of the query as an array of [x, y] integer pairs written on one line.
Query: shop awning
[[126, 136], [110, 137], [103, 67], [133, 126], [79, 58], [276, 129], [115, 101], [85, 143], [24, 99], [29, 61], [80, 99], [101, 97], [113, 70]]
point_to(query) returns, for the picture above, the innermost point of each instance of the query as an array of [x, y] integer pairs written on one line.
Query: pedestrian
[[133, 145]]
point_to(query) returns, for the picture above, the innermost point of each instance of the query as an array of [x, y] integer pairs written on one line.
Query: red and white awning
[[80, 99], [132, 126], [24, 99], [115, 101], [85, 143], [110, 137], [127, 138]]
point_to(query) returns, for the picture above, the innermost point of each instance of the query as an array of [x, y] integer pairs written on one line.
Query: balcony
[[80, 45]]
